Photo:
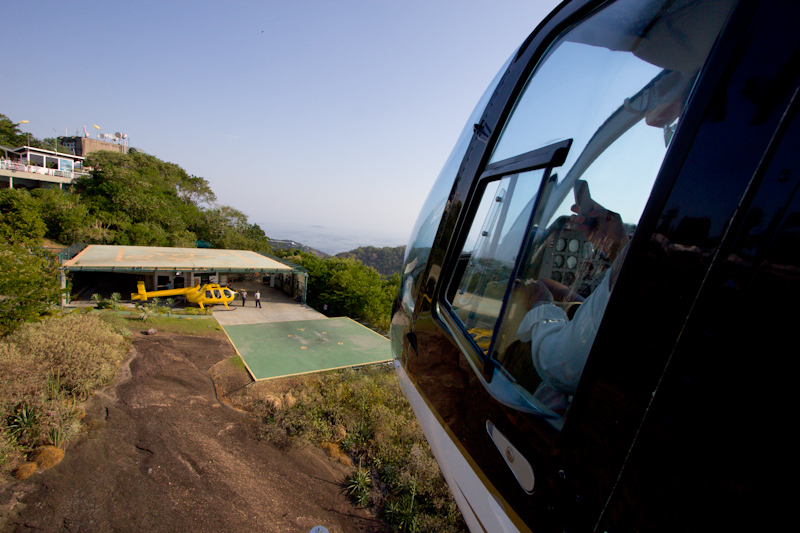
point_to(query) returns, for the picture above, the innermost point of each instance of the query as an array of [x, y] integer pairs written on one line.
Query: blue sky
[[316, 118]]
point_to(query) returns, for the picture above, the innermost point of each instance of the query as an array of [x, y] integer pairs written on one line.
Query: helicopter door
[[540, 244]]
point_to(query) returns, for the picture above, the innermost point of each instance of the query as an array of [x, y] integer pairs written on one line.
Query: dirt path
[[162, 454]]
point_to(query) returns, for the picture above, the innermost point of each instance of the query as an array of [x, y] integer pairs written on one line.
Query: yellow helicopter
[[208, 294]]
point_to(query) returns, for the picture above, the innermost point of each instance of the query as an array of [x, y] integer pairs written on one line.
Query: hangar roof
[[96, 257]]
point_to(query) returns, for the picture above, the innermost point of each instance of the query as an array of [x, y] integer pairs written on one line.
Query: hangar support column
[[62, 273]]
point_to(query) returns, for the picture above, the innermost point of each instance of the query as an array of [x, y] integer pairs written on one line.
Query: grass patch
[[364, 415], [46, 369], [238, 362], [195, 326]]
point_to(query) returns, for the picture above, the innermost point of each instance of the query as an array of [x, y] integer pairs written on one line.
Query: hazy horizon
[[331, 240]]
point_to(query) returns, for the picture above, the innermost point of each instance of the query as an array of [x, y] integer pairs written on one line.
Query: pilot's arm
[[559, 346]]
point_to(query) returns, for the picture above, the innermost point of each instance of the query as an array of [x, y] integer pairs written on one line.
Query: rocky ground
[[160, 452]]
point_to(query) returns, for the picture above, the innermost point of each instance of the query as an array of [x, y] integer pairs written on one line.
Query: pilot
[[560, 346]]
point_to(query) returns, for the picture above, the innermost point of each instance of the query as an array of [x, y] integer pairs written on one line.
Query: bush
[[20, 221], [359, 486], [46, 368], [29, 285], [364, 413], [79, 350], [348, 288]]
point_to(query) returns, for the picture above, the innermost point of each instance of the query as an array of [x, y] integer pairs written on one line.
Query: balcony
[[33, 176]]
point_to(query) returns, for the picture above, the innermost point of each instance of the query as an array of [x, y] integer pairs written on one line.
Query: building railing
[[8, 164]]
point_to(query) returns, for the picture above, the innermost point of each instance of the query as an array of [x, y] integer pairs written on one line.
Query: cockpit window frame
[[545, 158]]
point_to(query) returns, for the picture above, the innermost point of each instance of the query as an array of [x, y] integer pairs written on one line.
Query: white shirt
[[560, 346]]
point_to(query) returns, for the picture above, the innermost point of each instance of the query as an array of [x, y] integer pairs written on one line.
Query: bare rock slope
[[161, 453]]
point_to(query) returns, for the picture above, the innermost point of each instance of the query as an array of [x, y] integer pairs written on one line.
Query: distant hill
[[294, 245], [386, 260]]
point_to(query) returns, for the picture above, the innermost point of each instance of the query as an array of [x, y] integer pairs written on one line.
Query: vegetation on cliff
[[127, 199], [387, 260], [361, 418], [347, 287]]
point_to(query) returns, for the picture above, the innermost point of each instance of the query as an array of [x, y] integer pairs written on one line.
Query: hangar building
[[107, 269]]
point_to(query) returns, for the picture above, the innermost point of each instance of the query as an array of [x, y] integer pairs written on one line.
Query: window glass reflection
[[616, 85], [491, 250]]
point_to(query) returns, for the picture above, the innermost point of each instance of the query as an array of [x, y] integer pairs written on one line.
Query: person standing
[[258, 299], [244, 297]]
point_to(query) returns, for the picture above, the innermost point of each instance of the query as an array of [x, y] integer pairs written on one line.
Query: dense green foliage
[[20, 220], [137, 199], [363, 415], [386, 261], [29, 285], [348, 288]]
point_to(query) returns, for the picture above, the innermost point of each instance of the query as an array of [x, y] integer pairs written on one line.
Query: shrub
[[23, 424], [47, 456], [45, 369], [359, 486], [365, 413], [147, 312], [25, 471], [29, 285], [80, 349]]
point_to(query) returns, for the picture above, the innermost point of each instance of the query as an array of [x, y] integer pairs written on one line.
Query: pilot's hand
[[536, 292], [602, 227]]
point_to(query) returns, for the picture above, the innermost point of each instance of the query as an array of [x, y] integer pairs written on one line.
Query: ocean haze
[[330, 240]]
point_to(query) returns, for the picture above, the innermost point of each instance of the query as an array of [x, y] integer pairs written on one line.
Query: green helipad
[[279, 349]]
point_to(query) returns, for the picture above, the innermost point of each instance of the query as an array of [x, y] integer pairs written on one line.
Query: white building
[[32, 168]]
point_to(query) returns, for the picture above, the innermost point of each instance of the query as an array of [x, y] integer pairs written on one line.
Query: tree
[[128, 199], [10, 134], [386, 261], [29, 285], [52, 143], [347, 287], [142, 200], [20, 221], [63, 214], [138, 199], [226, 227], [194, 190]]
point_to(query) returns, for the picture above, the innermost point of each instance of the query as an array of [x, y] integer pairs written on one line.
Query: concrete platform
[[276, 306]]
